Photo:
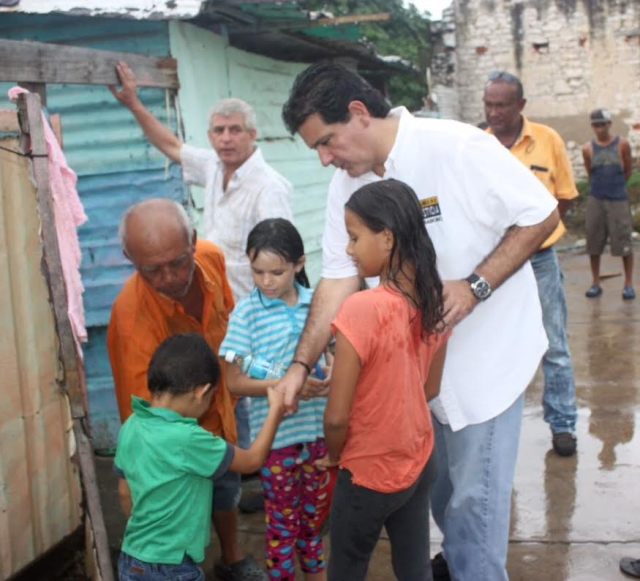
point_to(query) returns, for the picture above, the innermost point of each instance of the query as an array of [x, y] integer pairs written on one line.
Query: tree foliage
[[405, 35]]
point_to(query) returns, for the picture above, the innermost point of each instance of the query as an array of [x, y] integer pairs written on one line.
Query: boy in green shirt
[[166, 462]]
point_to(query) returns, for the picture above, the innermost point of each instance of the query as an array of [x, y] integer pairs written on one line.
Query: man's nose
[[325, 157]]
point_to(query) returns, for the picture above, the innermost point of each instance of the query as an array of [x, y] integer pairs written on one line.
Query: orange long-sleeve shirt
[[141, 319]]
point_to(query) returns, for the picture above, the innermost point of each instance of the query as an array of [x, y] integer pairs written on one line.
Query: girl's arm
[[249, 461], [344, 377], [242, 385], [432, 385]]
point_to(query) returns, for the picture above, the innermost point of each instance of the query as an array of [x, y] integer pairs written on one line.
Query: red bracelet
[[306, 366]]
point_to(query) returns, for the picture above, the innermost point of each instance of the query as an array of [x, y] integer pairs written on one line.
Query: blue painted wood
[[116, 167]]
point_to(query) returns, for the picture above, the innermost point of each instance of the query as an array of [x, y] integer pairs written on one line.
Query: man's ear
[[202, 390], [194, 238], [359, 110]]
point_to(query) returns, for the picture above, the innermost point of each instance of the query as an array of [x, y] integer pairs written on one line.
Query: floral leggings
[[296, 501]]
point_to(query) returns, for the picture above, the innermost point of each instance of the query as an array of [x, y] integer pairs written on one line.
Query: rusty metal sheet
[[40, 491]]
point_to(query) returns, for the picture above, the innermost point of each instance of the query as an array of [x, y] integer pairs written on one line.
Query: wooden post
[[34, 144]]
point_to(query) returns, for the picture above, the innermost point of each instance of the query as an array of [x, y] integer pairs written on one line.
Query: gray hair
[[180, 213], [228, 107], [507, 78]]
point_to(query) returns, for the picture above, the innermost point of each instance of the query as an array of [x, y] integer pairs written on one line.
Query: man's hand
[[128, 93], [459, 301], [291, 386], [314, 387]]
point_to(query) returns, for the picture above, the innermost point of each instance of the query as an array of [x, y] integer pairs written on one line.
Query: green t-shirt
[[168, 461]]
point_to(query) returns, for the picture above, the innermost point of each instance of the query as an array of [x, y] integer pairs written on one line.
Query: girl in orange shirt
[[388, 364]]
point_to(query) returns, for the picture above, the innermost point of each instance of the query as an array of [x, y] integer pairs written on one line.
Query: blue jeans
[[559, 399], [471, 495], [132, 569]]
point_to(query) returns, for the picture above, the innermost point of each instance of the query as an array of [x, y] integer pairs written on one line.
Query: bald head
[[149, 223], [156, 235]]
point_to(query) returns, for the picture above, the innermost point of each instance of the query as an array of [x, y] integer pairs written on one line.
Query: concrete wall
[[571, 55]]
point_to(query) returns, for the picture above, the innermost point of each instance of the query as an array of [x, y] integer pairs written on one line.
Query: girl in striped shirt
[[268, 324]]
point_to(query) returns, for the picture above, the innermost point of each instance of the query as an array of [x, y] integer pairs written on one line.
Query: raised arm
[[515, 248], [327, 299], [159, 135]]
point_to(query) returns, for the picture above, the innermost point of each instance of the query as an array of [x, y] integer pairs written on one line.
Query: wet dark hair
[[393, 205], [327, 89], [279, 236], [181, 363]]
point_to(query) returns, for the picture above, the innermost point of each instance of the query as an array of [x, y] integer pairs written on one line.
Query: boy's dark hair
[[327, 89], [279, 236], [392, 204], [181, 363]]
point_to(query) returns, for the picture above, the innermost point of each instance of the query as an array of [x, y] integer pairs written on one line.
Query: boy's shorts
[[132, 569], [226, 492], [608, 219]]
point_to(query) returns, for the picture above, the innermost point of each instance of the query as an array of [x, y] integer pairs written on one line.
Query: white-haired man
[[241, 189]]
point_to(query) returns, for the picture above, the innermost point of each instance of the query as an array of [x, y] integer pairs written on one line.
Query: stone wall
[[571, 55]]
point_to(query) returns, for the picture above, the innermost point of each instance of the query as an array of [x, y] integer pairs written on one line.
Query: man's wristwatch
[[480, 288]]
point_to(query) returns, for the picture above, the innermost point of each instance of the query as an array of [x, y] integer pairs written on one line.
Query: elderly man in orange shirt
[[180, 286], [542, 150]]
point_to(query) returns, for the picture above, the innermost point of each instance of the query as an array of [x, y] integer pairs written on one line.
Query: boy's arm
[[432, 385], [249, 461], [344, 378], [124, 495]]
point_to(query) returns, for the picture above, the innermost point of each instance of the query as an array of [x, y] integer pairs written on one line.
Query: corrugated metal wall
[[39, 486], [116, 167]]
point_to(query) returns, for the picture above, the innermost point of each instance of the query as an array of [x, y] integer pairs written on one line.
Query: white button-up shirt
[[472, 190], [255, 192]]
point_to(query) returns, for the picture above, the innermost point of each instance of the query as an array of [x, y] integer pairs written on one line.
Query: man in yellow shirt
[[542, 150]]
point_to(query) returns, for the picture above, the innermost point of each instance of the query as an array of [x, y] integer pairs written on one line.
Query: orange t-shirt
[[390, 436], [141, 319]]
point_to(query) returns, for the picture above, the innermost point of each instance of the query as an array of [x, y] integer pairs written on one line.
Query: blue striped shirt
[[269, 328]]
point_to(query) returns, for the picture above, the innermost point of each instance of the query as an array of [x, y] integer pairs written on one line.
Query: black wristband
[[305, 365]]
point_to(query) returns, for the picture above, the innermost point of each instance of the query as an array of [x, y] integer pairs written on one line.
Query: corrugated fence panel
[[40, 493], [264, 83], [116, 167]]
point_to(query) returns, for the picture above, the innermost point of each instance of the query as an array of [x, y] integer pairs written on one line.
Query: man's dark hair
[[181, 363], [327, 89], [508, 79]]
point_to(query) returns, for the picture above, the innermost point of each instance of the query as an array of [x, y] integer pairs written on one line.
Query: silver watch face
[[481, 289]]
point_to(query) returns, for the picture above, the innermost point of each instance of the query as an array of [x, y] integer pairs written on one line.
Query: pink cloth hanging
[[69, 215]]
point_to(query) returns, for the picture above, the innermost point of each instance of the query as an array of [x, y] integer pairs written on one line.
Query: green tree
[[405, 35]]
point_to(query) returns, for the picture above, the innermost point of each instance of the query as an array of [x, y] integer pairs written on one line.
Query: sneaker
[[628, 293], [630, 566], [564, 444], [245, 570], [593, 292], [439, 568]]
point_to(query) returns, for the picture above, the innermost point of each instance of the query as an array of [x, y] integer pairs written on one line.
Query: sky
[[433, 6]]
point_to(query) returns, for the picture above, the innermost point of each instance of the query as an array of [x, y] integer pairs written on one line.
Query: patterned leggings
[[295, 501]]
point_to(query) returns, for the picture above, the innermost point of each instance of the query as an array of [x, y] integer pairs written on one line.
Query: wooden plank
[[39, 89], [9, 121], [38, 62], [30, 113]]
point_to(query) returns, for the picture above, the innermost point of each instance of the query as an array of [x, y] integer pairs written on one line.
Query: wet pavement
[[573, 518]]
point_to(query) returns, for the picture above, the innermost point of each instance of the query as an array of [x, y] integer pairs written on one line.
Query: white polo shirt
[[472, 190], [255, 192]]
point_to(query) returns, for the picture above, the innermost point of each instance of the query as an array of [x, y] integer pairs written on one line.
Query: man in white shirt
[[486, 215], [241, 189]]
